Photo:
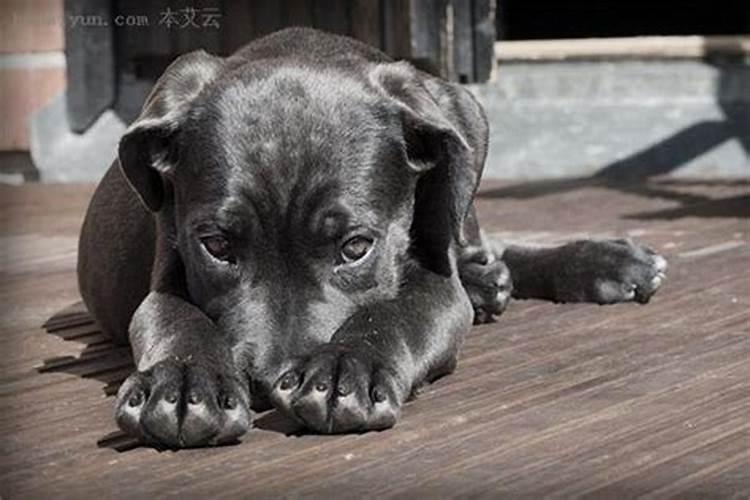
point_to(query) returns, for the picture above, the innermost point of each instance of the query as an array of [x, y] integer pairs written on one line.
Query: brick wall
[[32, 64]]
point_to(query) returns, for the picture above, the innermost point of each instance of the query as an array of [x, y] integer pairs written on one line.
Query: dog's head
[[293, 196]]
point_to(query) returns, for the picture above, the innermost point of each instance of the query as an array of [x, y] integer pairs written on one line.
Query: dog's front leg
[[599, 271], [186, 390], [359, 380]]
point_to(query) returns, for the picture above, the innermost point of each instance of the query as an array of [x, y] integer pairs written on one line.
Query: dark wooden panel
[[332, 16], [172, 28], [195, 30], [396, 28], [90, 61], [429, 46], [237, 26], [267, 17], [137, 43], [463, 41], [366, 19], [298, 12], [421, 31], [484, 38], [416, 30]]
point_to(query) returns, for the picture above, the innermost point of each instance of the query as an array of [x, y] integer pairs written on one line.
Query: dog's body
[[294, 225]]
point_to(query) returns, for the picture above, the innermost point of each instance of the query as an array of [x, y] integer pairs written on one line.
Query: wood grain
[[550, 401]]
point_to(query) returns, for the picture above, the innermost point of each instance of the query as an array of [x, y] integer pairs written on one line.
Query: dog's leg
[[485, 277], [359, 380], [187, 391], [599, 271]]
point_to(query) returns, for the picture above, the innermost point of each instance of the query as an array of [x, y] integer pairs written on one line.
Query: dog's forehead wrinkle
[[292, 98], [289, 184], [293, 123]]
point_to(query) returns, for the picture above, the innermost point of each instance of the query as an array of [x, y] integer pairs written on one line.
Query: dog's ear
[[146, 151], [439, 154]]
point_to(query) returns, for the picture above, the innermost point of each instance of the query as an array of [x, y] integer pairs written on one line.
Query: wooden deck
[[575, 400]]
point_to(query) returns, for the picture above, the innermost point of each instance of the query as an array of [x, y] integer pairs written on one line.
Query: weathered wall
[[32, 65], [558, 119]]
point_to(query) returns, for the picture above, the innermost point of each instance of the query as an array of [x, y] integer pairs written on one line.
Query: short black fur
[[213, 245]]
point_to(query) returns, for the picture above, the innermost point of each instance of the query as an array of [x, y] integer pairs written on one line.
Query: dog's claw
[[613, 271], [333, 395], [215, 407]]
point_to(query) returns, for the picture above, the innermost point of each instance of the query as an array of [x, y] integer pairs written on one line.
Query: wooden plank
[[194, 32], [238, 26], [429, 43], [566, 401], [463, 41], [415, 30], [366, 21], [298, 12], [267, 17], [333, 16], [645, 47], [90, 61], [484, 39], [397, 28]]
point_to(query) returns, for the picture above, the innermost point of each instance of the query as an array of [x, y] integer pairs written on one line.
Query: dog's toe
[[623, 271], [178, 405], [338, 390]]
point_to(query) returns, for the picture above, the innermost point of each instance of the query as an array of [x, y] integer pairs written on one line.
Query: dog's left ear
[[436, 151], [146, 152]]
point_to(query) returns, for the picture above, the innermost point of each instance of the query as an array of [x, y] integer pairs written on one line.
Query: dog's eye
[[218, 247], [355, 248]]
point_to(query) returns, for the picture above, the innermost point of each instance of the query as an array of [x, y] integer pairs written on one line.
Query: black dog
[[294, 224]]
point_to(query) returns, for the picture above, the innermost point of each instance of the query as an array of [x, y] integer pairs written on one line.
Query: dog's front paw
[[487, 282], [611, 271], [182, 404], [340, 389]]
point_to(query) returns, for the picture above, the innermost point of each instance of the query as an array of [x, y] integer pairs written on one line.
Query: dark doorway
[[550, 19]]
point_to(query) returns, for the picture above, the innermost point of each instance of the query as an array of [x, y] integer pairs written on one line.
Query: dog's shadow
[[111, 364]]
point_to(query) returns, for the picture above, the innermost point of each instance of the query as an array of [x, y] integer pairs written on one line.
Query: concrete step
[[550, 118]]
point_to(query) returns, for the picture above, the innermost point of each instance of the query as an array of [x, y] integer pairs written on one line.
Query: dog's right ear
[[146, 152]]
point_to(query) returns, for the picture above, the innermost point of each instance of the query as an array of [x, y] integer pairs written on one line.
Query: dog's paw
[[177, 404], [340, 389], [487, 282], [611, 271]]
